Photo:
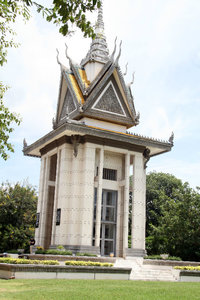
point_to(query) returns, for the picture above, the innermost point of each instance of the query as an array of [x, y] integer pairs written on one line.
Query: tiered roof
[[106, 98]]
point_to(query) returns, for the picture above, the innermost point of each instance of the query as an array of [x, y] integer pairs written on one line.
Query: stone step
[[153, 279], [152, 276], [153, 272], [156, 267], [148, 274]]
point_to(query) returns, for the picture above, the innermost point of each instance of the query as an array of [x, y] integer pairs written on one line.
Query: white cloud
[[184, 170]]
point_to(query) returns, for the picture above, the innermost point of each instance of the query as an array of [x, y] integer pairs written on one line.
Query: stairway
[[147, 272]]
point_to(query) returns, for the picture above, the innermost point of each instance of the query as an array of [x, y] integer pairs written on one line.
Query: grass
[[97, 289]]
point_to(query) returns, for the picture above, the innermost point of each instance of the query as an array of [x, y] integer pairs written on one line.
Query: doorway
[[108, 222]]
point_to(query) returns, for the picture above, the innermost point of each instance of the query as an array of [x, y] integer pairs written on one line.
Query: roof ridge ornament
[[114, 50], [119, 54], [58, 61], [137, 118], [25, 145], [132, 81], [126, 69], [171, 138], [66, 54]]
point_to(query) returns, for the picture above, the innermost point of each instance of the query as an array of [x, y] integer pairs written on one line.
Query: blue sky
[[160, 42]]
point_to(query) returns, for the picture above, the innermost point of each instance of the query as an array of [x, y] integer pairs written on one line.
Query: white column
[[43, 210], [99, 197], [40, 198], [87, 191], [126, 203], [138, 204], [64, 194], [56, 198]]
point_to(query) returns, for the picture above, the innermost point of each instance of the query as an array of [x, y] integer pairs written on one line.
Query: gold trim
[[76, 88], [84, 77]]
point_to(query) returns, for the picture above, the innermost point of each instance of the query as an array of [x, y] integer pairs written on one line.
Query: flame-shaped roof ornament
[[58, 60], [114, 50], [119, 54]]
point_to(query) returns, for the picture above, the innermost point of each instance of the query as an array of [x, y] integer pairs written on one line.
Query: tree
[[6, 118], [64, 13], [17, 215], [158, 187], [173, 218]]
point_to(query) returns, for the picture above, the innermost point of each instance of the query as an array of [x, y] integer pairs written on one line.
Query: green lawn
[[97, 289]]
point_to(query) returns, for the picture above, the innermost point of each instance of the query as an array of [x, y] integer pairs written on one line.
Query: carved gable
[[108, 101], [68, 105]]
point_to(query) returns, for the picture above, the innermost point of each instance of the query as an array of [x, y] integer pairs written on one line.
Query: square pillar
[[138, 207], [126, 203], [99, 198]]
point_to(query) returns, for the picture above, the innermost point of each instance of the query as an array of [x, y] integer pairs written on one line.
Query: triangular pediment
[[68, 105], [109, 102]]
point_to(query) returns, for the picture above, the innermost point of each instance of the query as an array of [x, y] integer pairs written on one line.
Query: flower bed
[[28, 269], [63, 252], [87, 263], [188, 268], [19, 261], [188, 273]]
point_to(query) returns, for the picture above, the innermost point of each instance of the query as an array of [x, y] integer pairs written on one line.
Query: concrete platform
[[12, 271]]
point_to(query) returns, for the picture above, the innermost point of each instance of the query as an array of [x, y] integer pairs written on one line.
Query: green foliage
[[40, 250], [12, 251], [85, 254], [58, 252], [54, 252], [19, 261], [87, 263], [17, 216], [6, 120], [61, 12], [9, 11], [72, 12], [161, 258], [60, 247], [172, 217]]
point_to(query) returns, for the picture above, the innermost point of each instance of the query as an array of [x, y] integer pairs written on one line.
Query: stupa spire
[[99, 23], [98, 51]]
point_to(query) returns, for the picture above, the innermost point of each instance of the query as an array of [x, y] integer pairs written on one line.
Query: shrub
[[161, 258], [54, 252], [60, 247], [189, 268], [174, 258], [87, 263], [8, 260], [85, 254], [58, 252], [12, 251]]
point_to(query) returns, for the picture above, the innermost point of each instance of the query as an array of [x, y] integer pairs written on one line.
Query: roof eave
[[74, 127]]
